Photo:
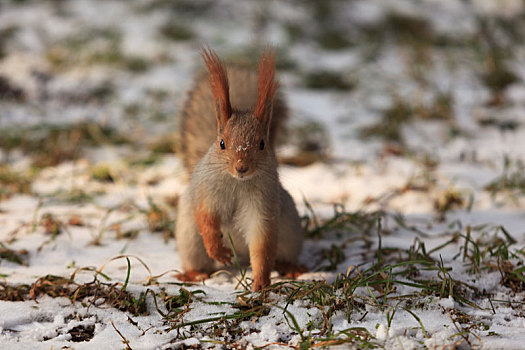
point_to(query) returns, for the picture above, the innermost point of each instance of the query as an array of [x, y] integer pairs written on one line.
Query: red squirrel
[[227, 134]]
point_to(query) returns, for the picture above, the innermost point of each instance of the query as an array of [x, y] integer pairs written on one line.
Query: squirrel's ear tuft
[[267, 84], [219, 84]]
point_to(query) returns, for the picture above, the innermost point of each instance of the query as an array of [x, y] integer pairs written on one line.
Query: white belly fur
[[247, 224]]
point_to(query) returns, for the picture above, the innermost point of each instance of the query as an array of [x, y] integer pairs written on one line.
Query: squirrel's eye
[[261, 146], [222, 145]]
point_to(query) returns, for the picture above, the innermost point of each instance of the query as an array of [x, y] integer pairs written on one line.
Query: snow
[[360, 174]]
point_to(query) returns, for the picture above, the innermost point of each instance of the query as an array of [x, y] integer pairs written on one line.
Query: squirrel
[[234, 189]]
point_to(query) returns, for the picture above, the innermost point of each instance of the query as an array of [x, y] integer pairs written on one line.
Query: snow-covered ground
[[405, 114]]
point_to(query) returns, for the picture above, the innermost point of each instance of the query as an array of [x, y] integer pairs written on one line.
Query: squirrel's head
[[243, 136]]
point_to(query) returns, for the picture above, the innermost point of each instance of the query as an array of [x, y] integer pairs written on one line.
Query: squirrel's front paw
[[216, 250], [221, 254]]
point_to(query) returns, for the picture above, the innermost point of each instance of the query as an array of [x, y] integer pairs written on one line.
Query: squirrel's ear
[[266, 86], [219, 85]]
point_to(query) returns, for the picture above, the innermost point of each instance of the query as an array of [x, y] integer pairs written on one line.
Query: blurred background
[[405, 144], [435, 84]]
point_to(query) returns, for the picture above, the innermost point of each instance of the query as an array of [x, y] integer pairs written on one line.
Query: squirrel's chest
[[235, 202], [245, 219]]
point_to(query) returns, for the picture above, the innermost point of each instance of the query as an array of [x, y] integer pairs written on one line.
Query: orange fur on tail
[[218, 83], [267, 85]]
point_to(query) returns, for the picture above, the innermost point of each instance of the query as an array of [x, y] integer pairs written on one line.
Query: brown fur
[[242, 137], [220, 88], [197, 125], [262, 258], [266, 86], [191, 276], [209, 228]]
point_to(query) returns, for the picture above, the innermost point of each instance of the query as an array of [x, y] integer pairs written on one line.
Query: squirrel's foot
[[290, 270], [260, 283], [192, 276], [221, 254]]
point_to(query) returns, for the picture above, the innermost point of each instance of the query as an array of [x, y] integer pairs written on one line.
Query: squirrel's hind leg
[[290, 270], [192, 276]]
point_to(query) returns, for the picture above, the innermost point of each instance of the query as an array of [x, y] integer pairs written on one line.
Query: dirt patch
[[82, 333]]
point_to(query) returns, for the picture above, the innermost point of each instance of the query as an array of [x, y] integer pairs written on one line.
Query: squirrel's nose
[[242, 169]]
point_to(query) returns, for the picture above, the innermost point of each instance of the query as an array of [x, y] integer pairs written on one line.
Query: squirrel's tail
[[197, 128]]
